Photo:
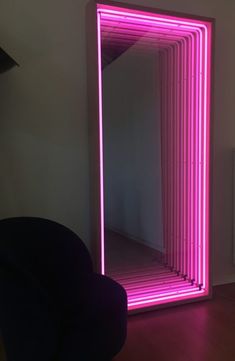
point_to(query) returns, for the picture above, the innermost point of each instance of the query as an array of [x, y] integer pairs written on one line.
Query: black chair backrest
[[49, 251]]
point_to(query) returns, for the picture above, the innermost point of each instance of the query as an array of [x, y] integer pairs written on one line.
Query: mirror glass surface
[[132, 161]]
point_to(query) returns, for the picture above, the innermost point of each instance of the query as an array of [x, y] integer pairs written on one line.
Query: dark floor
[[202, 331], [123, 254]]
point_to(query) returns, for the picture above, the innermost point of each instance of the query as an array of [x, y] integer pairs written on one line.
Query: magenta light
[[126, 13], [101, 147], [152, 296], [141, 303], [191, 140], [185, 61]]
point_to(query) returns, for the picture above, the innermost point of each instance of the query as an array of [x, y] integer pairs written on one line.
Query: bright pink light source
[[185, 60]]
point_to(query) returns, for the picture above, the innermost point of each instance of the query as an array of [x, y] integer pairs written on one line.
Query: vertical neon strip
[[164, 62], [202, 194], [183, 180], [189, 128], [180, 140], [185, 76], [164, 147], [208, 175], [101, 146], [189, 125], [205, 165], [171, 158], [181, 164], [182, 125], [200, 169], [177, 134], [167, 102], [194, 152], [175, 240], [162, 76], [202, 162], [192, 160], [184, 160], [196, 159]]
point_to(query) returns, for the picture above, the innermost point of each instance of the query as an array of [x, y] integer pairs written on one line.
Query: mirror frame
[[94, 79]]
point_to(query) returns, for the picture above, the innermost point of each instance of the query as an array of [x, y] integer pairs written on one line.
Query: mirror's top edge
[[107, 4]]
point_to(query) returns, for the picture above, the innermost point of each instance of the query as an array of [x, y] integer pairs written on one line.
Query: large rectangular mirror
[[153, 116]]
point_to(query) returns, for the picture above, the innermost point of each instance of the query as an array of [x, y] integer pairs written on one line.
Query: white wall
[[132, 147], [43, 116], [44, 101]]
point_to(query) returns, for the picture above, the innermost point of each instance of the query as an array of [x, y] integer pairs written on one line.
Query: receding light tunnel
[[182, 49]]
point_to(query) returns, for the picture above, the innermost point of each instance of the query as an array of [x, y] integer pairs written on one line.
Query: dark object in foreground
[[52, 305], [6, 62]]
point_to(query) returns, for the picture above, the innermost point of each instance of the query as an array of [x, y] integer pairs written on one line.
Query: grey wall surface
[[43, 105], [43, 115], [132, 147]]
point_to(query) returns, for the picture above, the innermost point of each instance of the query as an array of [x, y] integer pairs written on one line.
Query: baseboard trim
[[133, 238]]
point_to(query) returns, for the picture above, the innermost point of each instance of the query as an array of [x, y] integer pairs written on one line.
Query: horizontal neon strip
[[159, 300], [169, 292], [171, 22]]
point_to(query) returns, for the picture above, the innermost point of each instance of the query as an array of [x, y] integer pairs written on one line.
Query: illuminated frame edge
[[98, 4]]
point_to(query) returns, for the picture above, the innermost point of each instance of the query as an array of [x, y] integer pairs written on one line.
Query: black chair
[[53, 307]]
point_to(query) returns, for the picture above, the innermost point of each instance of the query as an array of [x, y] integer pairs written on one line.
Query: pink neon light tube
[[185, 61], [101, 147]]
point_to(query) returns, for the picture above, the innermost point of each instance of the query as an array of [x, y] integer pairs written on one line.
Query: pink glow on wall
[[185, 48]]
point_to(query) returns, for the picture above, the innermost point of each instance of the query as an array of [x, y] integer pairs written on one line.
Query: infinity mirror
[[152, 158]]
